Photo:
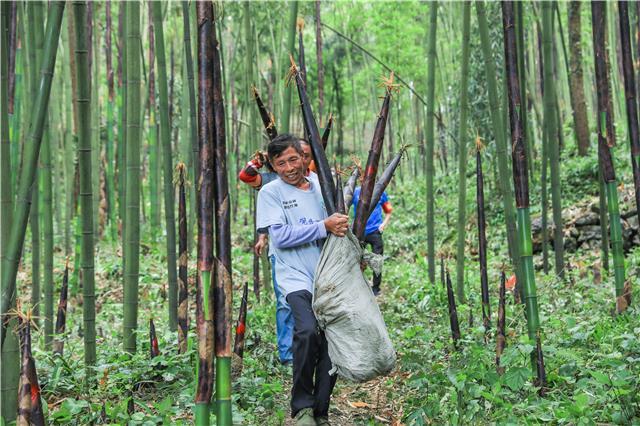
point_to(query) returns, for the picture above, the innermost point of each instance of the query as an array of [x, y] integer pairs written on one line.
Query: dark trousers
[[310, 358], [377, 246]]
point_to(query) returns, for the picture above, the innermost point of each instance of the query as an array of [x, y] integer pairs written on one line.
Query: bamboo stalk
[[238, 345], [122, 128], [256, 258], [385, 178], [553, 145], [154, 350], [339, 193], [35, 40], [30, 158], [324, 173], [500, 136], [132, 188], [605, 141], [631, 98], [462, 154], [10, 356], [167, 164], [29, 403], [291, 37], [430, 142], [153, 150], [301, 57], [61, 318], [327, 132], [482, 243], [86, 200], [109, 148], [520, 176], [371, 169], [193, 110], [6, 193], [500, 333], [183, 260], [540, 368], [222, 291], [453, 313], [205, 192], [267, 118]]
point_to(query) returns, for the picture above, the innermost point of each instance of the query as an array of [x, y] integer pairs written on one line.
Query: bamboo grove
[[125, 124]]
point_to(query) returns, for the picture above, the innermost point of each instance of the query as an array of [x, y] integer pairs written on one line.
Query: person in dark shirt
[[374, 229]]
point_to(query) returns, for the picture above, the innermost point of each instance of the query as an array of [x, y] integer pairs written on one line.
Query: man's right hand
[[337, 224], [261, 244]]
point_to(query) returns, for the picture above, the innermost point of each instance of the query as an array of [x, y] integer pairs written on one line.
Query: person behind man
[[374, 229], [252, 176], [292, 210]]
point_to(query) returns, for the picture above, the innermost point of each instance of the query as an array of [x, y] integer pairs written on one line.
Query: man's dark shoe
[[304, 417], [376, 291]]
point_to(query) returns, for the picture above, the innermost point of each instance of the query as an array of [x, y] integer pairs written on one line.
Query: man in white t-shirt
[[292, 210]]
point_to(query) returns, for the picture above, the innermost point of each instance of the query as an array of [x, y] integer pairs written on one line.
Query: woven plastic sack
[[346, 309]]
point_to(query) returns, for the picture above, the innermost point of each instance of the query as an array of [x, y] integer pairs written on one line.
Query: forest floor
[[592, 358]]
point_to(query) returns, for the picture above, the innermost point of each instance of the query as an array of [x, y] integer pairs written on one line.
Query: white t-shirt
[[282, 204]]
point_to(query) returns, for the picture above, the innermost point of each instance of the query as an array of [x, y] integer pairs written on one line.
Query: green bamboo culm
[[96, 115], [45, 207], [222, 290], [47, 234], [605, 140], [9, 375], [553, 144], [430, 142], [520, 178], [462, 153], [132, 190], [291, 38], [109, 147], [153, 147], [500, 137], [545, 197], [83, 101], [34, 49], [167, 161], [193, 121], [249, 73], [30, 158], [122, 128]]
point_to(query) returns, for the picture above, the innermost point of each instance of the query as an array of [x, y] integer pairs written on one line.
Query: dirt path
[[358, 404]]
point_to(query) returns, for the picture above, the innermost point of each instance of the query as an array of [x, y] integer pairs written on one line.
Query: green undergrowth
[[592, 358]]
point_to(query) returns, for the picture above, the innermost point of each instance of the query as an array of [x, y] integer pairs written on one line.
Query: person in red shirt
[[252, 175]]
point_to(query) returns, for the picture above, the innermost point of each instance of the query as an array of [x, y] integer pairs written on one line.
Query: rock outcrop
[[582, 225]]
